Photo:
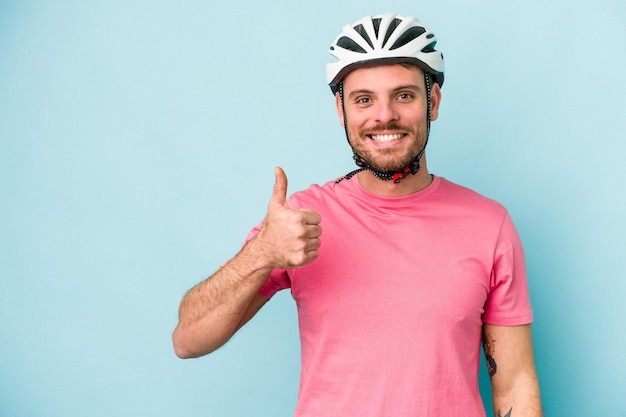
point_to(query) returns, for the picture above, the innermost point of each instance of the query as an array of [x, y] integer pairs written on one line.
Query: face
[[385, 112]]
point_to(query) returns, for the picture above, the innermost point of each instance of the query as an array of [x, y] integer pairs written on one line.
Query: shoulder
[[467, 199], [316, 194], [471, 210]]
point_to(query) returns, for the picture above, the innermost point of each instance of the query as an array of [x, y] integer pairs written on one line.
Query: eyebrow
[[413, 87]]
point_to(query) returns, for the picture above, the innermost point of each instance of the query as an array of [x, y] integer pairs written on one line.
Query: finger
[[279, 194], [313, 245], [311, 256], [310, 216], [313, 231]]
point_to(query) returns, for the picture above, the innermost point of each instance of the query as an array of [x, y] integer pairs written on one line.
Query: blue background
[[137, 146]]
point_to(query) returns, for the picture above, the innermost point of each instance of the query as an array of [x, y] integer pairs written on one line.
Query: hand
[[290, 237]]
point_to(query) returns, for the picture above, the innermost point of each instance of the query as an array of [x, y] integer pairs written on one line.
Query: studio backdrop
[[137, 146]]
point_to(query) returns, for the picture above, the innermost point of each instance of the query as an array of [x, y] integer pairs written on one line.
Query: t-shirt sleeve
[[278, 279], [508, 302]]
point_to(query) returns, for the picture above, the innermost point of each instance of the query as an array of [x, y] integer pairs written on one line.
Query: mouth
[[386, 138]]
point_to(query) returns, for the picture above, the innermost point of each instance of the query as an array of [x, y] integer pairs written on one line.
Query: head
[[385, 112], [388, 46]]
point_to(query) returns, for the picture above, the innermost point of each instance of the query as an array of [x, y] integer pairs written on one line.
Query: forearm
[[515, 386], [211, 311], [524, 402]]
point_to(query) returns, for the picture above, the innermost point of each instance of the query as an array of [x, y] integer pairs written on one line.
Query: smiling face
[[385, 112]]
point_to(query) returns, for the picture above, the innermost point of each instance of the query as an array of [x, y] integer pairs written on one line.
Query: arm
[[212, 311], [511, 365]]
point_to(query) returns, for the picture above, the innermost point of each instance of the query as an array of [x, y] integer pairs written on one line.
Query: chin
[[391, 166]]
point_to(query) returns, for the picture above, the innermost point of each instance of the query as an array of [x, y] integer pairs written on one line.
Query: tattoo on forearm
[[489, 348], [499, 413]]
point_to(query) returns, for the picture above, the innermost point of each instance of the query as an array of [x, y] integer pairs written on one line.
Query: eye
[[405, 96], [362, 100]]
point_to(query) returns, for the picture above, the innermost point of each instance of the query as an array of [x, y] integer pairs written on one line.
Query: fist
[[292, 237]]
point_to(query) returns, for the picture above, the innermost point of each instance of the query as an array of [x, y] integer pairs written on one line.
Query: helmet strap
[[396, 176]]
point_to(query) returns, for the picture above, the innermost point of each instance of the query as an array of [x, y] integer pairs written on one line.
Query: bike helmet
[[384, 39], [379, 40]]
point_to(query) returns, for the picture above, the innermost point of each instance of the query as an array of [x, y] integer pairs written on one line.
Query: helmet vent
[[430, 47], [361, 30], [376, 23], [408, 36], [350, 45], [392, 26]]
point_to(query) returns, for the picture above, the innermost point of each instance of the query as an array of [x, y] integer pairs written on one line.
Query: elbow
[[180, 347], [183, 353], [187, 347]]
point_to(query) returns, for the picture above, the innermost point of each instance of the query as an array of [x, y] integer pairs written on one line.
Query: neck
[[409, 185]]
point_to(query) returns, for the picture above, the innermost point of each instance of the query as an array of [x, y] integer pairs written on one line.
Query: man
[[414, 271]]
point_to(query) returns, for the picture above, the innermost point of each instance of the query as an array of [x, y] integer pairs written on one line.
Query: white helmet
[[384, 39]]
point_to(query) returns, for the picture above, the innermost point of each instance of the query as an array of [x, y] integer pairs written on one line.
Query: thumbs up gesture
[[291, 237]]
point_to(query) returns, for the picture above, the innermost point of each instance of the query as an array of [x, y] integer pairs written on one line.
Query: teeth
[[386, 138]]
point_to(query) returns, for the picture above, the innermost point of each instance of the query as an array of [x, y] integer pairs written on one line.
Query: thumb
[[279, 195]]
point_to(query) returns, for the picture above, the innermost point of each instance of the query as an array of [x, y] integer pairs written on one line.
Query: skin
[[388, 100], [515, 387], [212, 311], [381, 103]]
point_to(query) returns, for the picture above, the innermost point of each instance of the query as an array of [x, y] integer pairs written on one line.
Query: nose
[[386, 112]]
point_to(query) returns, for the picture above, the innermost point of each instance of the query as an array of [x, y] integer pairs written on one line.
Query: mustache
[[386, 126]]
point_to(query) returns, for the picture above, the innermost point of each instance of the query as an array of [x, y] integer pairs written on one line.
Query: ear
[[435, 101], [339, 109]]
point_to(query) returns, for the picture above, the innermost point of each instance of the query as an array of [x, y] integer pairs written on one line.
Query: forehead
[[383, 78]]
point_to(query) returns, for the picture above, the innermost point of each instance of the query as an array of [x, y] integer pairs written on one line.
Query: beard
[[388, 160]]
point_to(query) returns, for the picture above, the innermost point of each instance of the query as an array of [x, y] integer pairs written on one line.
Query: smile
[[386, 138]]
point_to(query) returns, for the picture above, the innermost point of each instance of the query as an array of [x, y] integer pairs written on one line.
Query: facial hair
[[388, 159]]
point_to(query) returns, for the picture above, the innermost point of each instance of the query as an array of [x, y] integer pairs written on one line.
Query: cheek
[[355, 121], [354, 129], [342, 120]]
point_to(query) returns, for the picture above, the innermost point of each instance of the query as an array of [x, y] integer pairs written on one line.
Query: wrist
[[257, 255]]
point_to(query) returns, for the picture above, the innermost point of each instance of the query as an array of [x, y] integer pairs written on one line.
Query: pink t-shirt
[[391, 312]]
